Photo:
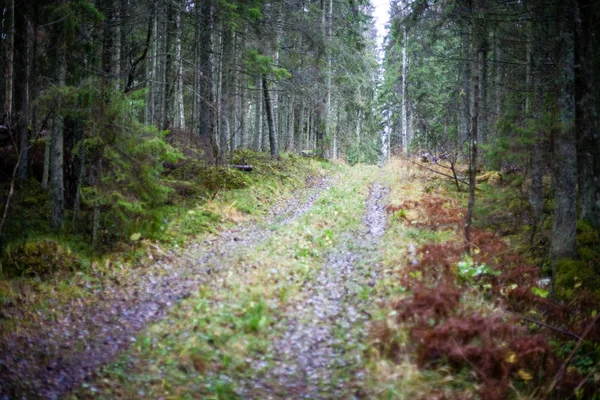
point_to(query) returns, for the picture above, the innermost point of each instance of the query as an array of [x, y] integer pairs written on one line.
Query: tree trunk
[[473, 159], [308, 127], [269, 113], [21, 90], [336, 134], [8, 63], [117, 21], [292, 122], [499, 80], [258, 141], [170, 68], [154, 74], [483, 115], [180, 115], [465, 90], [329, 70], [226, 99], [206, 123], [586, 116], [536, 194], [57, 199], [404, 92], [565, 153], [243, 82]]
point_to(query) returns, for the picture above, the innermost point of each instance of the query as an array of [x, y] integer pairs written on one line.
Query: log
[[246, 168]]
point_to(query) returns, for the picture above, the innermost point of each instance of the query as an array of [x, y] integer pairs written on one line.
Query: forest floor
[[290, 292], [319, 299]]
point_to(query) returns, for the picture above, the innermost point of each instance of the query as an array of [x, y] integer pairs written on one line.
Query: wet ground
[[53, 357], [325, 333]]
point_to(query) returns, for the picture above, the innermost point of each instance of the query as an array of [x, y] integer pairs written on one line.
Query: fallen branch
[[559, 330], [439, 173], [562, 368], [246, 168]]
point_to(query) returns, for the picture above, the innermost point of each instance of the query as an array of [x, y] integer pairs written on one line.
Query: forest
[[250, 199]]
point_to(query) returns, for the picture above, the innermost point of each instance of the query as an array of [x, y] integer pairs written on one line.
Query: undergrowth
[[483, 324], [220, 342], [35, 261]]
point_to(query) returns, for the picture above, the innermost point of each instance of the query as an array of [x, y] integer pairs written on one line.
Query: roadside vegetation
[[222, 342], [41, 271], [479, 325]]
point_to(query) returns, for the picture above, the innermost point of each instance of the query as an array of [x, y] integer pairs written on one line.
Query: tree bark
[[565, 152], [170, 68], [586, 116], [180, 115], [270, 123], [292, 122], [473, 158], [21, 59], [465, 90], [243, 82], [404, 92], [226, 99], [9, 62], [206, 120], [57, 199], [328, 118], [536, 193], [258, 141]]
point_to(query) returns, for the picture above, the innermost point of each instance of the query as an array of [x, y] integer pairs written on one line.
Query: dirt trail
[[52, 358], [319, 356]]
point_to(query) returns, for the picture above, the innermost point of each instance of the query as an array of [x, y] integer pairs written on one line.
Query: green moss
[[40, 257], [586, 234], [572, 276]]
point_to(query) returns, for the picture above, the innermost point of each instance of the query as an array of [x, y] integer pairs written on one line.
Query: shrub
[[40, 258]]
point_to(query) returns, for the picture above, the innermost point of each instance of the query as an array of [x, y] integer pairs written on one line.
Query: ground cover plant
[[231, 338], [46, 280], [478, 325]]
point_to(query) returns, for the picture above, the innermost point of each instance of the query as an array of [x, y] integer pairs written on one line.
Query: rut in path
[[57, 355], [319, 356]]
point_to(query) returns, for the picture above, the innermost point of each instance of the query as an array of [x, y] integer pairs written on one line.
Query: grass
[[399, 377], [187, 216], [224, 334]]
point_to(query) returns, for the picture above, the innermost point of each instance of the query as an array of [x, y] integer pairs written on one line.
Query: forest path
[[320, 353], [56, 354], [283, 318]]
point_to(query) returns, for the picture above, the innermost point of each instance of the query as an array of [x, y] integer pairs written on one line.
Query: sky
[[381, 15]]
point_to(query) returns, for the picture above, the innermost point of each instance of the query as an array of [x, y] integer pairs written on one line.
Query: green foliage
[[262, 65], [587, 235], [572, 276], [469, 270], [39, 257], [365, 153]]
